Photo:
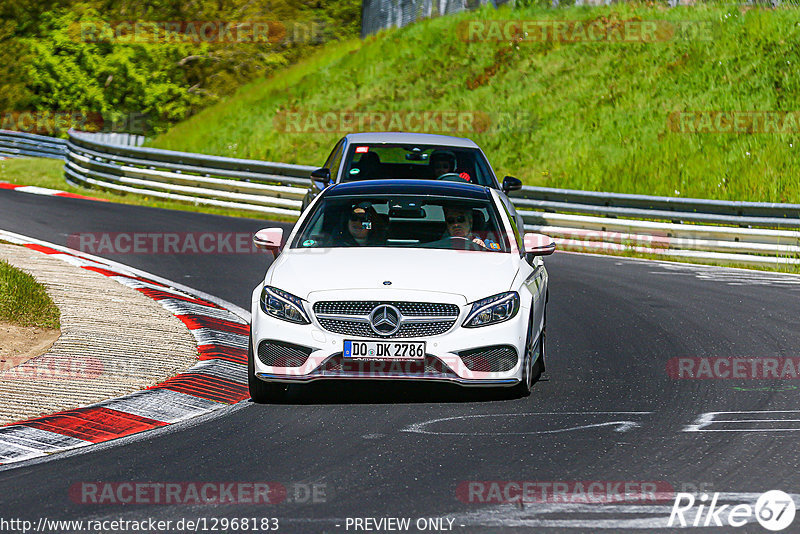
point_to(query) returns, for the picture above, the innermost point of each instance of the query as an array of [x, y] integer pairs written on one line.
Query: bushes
[[45, 63]]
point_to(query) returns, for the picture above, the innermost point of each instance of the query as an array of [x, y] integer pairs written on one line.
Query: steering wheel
[[472, 244], [452, 177]]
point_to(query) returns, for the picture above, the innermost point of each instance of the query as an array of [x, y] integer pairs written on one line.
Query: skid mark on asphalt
[[729, 276], [587, 517], [620, 422], [747, 421]]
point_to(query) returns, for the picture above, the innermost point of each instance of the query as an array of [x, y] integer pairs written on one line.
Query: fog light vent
[[493, 359]]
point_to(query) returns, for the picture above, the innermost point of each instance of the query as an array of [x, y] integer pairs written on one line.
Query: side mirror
[[323, 176], [511, 184], [269, 239], [539, 245]]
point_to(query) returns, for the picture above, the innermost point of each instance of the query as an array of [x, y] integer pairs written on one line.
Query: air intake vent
[[282, 354], [493, 359]]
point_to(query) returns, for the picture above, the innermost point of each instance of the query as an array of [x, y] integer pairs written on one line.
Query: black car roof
[[409, 187]]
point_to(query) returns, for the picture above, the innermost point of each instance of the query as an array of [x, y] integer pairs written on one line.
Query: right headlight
[[492, 310], [283, 305]]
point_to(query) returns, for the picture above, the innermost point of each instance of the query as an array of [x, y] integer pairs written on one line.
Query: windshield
[[404, 221], [416, 162]]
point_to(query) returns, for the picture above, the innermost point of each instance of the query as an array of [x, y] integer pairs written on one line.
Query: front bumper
[[442, 362]]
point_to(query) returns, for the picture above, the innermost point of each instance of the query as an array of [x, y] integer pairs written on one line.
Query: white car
[[400, 280]]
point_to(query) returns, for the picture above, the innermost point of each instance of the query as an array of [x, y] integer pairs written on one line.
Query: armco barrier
[[669, 208], [751, 233], [270, 188], [725, 232], [20, 144]]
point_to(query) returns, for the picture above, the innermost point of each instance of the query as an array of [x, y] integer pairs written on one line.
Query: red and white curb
[[45, 191], [218, 380]]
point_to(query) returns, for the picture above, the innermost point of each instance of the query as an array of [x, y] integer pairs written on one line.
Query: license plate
[[385, 350]]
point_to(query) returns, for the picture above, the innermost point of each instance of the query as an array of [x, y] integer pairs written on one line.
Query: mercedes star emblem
[[385, 320]]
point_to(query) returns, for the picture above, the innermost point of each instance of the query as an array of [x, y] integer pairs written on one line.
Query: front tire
[[531, 371], [262, 392]]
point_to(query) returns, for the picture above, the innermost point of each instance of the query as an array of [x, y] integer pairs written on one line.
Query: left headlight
[[493, 310], [283, 305]]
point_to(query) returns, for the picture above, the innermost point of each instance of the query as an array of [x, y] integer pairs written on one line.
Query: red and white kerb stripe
[[218, 380], [45, 191]]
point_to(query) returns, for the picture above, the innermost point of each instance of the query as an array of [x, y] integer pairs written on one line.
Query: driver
[[442, 162], [459, 224]]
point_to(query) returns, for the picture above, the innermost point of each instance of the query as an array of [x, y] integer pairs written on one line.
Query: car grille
[[364, 307], [282, 354], [351, 318], [497, 358], [353, 328]]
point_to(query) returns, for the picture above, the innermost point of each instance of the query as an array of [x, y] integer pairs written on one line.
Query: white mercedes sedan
[[400, 280]]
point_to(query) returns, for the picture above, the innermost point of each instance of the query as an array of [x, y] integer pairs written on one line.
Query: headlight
[[283, 305], [493, 310]]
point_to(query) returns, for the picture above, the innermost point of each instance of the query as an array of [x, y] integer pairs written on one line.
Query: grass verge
[[584, 115], [24, 301]]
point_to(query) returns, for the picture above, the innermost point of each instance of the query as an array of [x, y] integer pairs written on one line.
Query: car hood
[[469, 274]]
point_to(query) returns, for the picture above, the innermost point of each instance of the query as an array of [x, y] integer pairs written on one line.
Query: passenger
[[364, 226], [369, 167]]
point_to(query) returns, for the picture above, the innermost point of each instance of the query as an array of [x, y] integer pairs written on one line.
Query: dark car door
[[333, 163]]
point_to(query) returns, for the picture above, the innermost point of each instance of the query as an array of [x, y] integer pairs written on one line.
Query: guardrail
[[20, 144], [747, 233], [751, 233], [264, 187], [670, 208]]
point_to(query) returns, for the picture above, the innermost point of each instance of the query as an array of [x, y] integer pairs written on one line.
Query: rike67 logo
[[774, 510]]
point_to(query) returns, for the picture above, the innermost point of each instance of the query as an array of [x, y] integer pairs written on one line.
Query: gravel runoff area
[[114, 341]]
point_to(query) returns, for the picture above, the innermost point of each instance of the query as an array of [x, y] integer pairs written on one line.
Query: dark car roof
[[411, 138], [409, 187]]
